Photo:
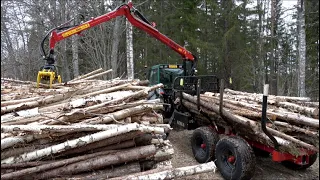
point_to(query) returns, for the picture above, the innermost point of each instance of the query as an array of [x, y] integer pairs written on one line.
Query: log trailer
[[233, 154]]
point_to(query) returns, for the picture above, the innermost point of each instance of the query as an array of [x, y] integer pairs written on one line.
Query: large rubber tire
[[235, 158], [203, 143]]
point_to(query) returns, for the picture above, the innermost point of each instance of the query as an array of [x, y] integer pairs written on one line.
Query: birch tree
[[301, 49], [130, 67]]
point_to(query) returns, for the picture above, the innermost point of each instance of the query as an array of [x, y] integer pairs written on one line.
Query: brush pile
[[85, 128]]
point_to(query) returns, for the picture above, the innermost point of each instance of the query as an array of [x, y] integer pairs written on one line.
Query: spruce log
[[300, 109], [25, 164], [97, 75], [120, 170], [172, 173], [119, 157], [108, 90], [87, 75], [272, 97], [292, 128], [80, 142], [252, 127], [289, 117], [53, 165], [116, 116], [106, 142]]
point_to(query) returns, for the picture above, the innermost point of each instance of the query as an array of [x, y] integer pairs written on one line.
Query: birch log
[[58, 128], [95, 145], [102, 161], [80, 142], [53, 165], [116, 116]]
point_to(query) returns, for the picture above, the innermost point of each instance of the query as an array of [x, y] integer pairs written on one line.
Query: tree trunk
[[273, 75], [130, 63], [301, 48], [64, 61], [115, 44], [75, 55]]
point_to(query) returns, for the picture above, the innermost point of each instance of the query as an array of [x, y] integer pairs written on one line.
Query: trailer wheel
[[203, 144], [235, 158]]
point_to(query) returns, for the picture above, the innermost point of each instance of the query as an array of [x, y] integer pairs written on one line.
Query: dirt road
[[265, 169]]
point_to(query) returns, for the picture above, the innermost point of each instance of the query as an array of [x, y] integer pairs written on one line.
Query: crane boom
[[129, 12]]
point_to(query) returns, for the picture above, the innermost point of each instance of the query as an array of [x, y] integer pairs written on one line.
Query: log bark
[[12, 102], [120, 170], [108, 90], [97, 75], [292, 139], [79, 142], [251, 127], [53, 165], [11, 141], [116, 116], [58, 128], [87, 75], [24, 164], [172, 173], [287, 116], [299, 109], [272, 97], [95, 145], [292, 128], [102, 161]]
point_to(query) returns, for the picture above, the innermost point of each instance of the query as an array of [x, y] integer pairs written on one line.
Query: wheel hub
[[203, 146], [231, 159]]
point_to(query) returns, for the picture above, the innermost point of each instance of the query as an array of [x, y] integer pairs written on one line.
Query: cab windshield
[[167, 76]]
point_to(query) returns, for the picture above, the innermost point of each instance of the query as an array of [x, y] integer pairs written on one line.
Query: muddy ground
[[265, 169]]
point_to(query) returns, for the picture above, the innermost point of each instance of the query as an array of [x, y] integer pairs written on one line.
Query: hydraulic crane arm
[[132, 15]]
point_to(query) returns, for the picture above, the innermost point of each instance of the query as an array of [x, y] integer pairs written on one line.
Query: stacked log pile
[[85, 128], [293, 121]]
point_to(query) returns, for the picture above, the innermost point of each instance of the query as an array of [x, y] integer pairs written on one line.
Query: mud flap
[[180, 119]]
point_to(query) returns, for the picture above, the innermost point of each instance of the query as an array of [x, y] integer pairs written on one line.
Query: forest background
[[250, 41]]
